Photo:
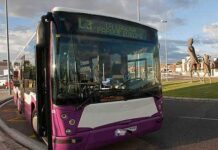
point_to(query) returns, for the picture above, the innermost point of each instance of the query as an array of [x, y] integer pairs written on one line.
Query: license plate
[[133, 128], [122, 132]]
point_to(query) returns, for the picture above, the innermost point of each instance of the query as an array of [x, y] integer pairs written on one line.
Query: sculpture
[[194, 64], [206, 66]]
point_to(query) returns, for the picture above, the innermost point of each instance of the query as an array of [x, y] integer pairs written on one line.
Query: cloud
[[1, 8], [32, 8], [211, 31], [2, 29], [18, 39], [215, 46], [2, 24], [209, 39], [152, 11], [176, 50], [184, 3]]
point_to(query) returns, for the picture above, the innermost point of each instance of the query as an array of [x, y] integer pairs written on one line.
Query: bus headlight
[[72, 122], [64, 116], [68, 131]]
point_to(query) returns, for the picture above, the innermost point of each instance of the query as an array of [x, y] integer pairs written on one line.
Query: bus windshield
[[105, 69]]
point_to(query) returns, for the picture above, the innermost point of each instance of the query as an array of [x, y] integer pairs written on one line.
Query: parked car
[[3, 82], [6, 84]]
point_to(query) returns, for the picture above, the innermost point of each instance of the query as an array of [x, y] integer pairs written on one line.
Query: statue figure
[[206, 66], [194, 64]]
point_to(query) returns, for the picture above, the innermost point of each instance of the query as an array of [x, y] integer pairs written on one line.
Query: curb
[[190, 99], [18, 136], [5, 100]]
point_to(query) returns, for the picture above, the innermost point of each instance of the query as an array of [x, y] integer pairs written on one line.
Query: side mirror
[[41, 33], [43, 30]]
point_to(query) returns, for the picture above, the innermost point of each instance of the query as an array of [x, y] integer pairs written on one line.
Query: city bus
[[87, 80]]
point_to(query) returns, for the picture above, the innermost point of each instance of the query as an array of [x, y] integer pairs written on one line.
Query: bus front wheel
[[19, 105], [34, 119]]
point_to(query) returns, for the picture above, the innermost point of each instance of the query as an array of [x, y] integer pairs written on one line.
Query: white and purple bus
[[87, 80]]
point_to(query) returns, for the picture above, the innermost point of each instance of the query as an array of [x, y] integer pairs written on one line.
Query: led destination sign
[[117, 29]]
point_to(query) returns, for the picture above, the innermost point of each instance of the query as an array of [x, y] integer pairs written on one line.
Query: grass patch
[[196, 89]]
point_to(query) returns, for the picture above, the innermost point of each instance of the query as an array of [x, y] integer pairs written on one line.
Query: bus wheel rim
[[34, 122]]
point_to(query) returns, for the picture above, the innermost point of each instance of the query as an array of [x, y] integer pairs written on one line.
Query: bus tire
[[19, 105], [34, 122]]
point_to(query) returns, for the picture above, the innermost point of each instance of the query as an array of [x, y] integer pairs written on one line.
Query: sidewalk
[[6, 142], [189, 98], [4, 94]]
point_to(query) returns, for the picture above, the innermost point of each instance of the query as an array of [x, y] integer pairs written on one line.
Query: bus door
[[42, 79], [137, 68]]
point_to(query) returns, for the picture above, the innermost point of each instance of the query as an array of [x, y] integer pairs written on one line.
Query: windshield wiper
[[90, 96], [146, 92], [81, 105]]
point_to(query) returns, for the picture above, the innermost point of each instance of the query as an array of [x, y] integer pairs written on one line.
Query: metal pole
[[138, 66], [166, 51], [7, 37], [165, 47], [138, 10], [138, 17]]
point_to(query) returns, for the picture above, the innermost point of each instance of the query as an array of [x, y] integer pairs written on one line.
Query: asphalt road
[[187, 125], [13, 119], [4, 91], [6, 143]]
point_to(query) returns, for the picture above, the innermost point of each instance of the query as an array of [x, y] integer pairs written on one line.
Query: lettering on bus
[[111, 28]]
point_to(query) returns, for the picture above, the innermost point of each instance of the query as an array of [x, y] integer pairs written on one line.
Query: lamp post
[[138, 10], [138, 55], [7, 38], [165, 46]]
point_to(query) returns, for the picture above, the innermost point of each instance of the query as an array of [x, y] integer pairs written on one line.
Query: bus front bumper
[[97, 138]]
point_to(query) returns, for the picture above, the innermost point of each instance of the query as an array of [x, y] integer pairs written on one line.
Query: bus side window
[[29, 67]]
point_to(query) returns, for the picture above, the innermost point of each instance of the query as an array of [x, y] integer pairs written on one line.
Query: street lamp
[[138, 10], [165, 46], [7, 38], [138, 18]]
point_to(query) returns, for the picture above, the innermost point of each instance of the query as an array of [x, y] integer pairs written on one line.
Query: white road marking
[[199, 118]]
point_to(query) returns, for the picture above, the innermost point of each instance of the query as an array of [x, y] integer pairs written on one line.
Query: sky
[[185, 19]]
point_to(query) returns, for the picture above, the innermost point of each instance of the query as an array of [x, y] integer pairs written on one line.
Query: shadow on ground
[[179, 132]]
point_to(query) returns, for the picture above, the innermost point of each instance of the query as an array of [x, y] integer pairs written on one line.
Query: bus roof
[[65, 9]]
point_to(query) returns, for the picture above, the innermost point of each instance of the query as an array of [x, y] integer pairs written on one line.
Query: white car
[[2, 82]]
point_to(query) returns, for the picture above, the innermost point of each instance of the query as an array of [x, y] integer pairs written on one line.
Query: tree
[[178, 62]]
